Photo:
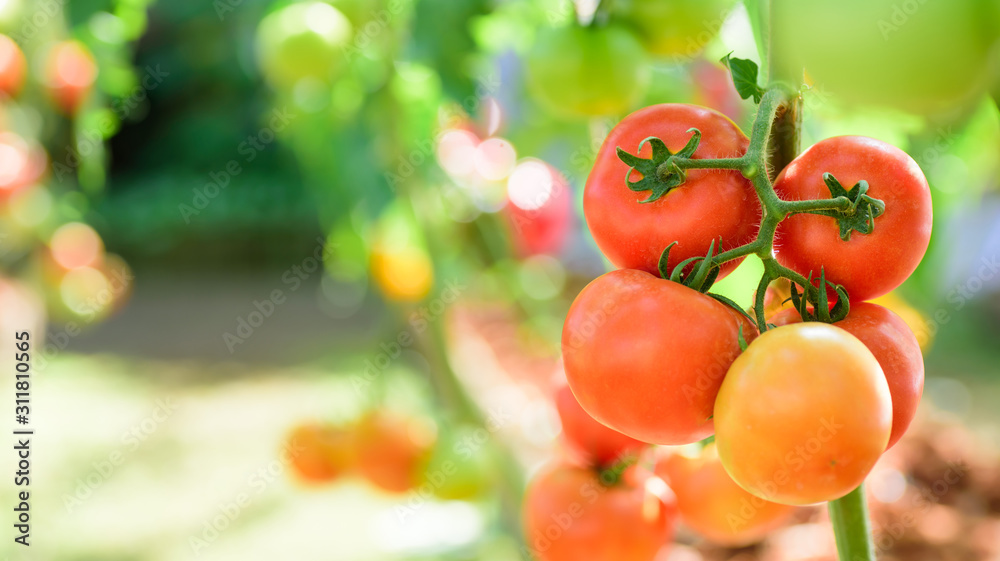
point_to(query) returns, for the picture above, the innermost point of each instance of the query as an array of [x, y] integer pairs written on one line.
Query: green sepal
[[742, 340], [660, 173], [861, 215], [820, 303], [733, 305], [662, 265], [744, 77]]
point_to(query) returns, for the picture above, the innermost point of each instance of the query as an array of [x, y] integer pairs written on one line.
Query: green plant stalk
[[849, 515], [775, 103]]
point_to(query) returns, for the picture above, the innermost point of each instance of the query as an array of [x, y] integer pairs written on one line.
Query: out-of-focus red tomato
[[539, 208], [70, 73]]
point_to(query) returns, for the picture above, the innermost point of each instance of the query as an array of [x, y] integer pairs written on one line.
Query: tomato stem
[[852, 528]]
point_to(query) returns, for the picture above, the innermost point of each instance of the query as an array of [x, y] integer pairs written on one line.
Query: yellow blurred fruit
[[402, 274], [913, 317]]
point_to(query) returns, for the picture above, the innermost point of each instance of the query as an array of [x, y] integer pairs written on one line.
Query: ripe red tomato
[[803, 414], [709, 205], [70, 74], [589, 439], [12, 66], [645, 356], [868, 265], [393, 450], [895, 348], [539, 208], [569, 514], [320, 453], [713, 505]]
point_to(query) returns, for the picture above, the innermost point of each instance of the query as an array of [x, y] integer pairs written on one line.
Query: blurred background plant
[[385, 196]]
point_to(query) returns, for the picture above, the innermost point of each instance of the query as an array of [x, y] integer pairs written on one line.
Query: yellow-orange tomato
[[403, 274], [896, 349], [320, 453], [12, 66], [393, 450], [713, 505], [70, 74], [803, 414]]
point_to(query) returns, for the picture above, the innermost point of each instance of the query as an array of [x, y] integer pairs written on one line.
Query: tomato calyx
[[663, 171], [858, 213], [700, 277], [816, 306], [613, 473]]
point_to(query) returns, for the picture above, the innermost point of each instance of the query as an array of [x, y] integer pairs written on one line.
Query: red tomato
[[539, 208], [713, 505], [12, 66], [592, 441], [393, 450], [70, 73], [803, 414], [320, 453], [709, 205], [868, 265], [570, 514], [645, 356], [895, 347]]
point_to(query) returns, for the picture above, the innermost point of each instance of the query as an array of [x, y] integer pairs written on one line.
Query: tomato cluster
[[801, 404], [394, 452]]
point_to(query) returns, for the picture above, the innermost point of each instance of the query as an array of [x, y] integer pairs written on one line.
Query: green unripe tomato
[[587, 71], [304, 40], [462, 466], [917, 55], [675, 28]]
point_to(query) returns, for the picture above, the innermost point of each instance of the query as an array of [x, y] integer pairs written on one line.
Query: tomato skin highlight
[[709, 205], [808, 242], [393, 450], [645, 356], [803, 414], [588, 438], [570, 515], [895, 348], [714, 506]]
